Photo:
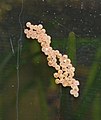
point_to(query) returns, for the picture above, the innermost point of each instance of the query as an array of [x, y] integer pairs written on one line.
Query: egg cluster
[[62, 64]]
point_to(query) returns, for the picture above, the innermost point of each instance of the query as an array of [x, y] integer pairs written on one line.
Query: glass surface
[[27, 87]]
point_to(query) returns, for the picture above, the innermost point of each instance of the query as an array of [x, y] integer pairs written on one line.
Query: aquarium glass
[[27, 84]]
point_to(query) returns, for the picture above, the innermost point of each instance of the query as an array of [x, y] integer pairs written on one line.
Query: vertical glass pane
[[27, 83]]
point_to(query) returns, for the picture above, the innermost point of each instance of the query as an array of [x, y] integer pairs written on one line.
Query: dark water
[[29, 92]]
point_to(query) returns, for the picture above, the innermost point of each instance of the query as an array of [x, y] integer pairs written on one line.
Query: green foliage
[[66, 106], [91, 88], [72, 47], [96, 115], [93, 72], [89, 96]]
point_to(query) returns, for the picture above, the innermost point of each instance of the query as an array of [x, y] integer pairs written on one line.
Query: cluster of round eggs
[[62, 64]]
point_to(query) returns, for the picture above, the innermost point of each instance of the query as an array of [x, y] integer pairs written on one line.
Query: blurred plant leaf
[[1, 107], [72, 47], [93, 72], [89, 92], [5, 61], [66, 108], [96, 115], [43, 102]]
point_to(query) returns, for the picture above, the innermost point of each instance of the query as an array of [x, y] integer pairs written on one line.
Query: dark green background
[[75, 28]]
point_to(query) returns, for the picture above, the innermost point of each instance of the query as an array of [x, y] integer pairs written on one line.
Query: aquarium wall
[[28, 89]]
